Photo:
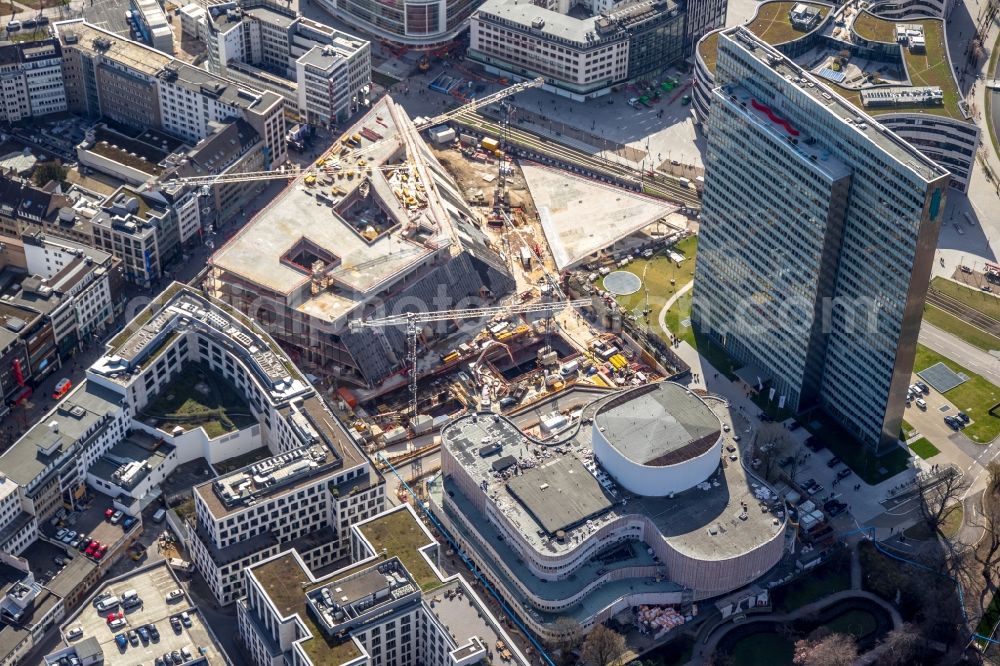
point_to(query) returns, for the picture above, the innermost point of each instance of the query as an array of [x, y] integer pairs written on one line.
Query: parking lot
[[152, 585], [90, 524], [930, 422]]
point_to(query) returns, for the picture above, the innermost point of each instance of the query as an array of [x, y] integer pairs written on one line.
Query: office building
[[411, 24], [110, 434], [828, 315], [31, 80], [890, 60], [585, 57], [397, 231], [140, 87], [322, 73], [390, 606], [554, 536]]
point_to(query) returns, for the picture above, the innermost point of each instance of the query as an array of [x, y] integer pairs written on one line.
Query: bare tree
[[938, 499], [902, 646], [993, 467], [603, 647], [570, 635], [831, 650], [985, 557]]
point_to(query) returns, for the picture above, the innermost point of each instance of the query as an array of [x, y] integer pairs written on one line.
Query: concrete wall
[[655, 481]]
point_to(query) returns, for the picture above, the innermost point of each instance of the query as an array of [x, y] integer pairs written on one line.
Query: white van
[[159, 515], [129, 594], [921, 403]]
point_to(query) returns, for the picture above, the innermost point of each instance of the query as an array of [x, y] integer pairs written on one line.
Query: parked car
[[921, 403], [786, 461], [143, 633], [174, 595], [837, 509], [29, 23], [74, 632], [108, 513], [923, 388], [814, 444], [833, 462], [107, 603], [128, 522], [154, 633], [101, 597], [186, 619], [963, 417], [843, 474], [116, 622], [13, 26], [122, 641], [133, 638], [61, 532], [116, 517]]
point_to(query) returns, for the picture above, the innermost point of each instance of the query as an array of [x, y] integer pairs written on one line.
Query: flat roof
[[659, 424], [684, 520], [76, 414], [359, 265], [931, 68], [561, 494], [830, 99]]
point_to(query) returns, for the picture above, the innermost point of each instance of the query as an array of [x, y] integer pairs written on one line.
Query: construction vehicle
[[345, 152], [413, 320]]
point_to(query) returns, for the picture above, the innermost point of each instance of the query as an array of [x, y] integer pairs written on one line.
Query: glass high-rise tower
[[818, 233]]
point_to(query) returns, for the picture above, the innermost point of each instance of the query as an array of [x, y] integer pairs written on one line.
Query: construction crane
[[319, 169], [412, 321]]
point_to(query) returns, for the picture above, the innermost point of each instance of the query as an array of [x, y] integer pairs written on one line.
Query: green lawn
[[989, 619], [960, 329], [974, 397], [218, 408], [872, 469], [822, 581], [983, 301], [656, 274], [905, 430], [950, 525], [923, 448]]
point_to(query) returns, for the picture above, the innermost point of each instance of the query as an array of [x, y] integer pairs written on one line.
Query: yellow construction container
[[450, 356], [490, 144], [310, 180], [321, 161]]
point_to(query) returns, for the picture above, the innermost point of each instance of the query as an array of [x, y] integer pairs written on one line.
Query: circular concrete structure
[[622, 283], [657, 439]]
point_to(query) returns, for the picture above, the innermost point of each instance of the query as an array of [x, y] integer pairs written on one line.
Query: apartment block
[[141, 229], [321, 72], [826, 316], [31, 80], [390, 606], [138, 86]]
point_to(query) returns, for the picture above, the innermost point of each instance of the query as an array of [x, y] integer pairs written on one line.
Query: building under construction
[[377, 231]]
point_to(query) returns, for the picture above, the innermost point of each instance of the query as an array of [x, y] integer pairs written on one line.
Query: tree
[[46, 172], [603, 647], [901, 647], [830, 650], [938, 498], [994, 470], [569, 635]]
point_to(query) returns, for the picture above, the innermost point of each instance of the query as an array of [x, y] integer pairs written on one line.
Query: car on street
[[13, 26], [833, 462], [62, 388]]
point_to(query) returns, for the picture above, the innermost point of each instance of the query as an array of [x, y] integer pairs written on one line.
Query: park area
[[198, 397]]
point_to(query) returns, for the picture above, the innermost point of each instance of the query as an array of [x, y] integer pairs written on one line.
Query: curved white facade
[[650, 480]]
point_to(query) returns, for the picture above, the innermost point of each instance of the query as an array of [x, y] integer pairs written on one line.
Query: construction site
[[417, 284]]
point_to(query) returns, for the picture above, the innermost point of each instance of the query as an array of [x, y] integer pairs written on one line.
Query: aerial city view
[[499, 332]]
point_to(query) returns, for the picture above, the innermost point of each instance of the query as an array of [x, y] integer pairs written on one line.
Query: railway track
[[964, 312], [542, 148]]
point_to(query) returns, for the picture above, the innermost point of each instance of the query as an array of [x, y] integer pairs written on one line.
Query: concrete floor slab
[[581, 216]]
